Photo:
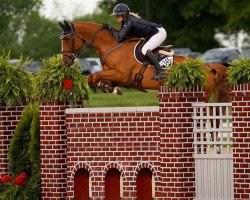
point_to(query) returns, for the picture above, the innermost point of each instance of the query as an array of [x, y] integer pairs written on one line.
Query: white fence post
[[213, 151]]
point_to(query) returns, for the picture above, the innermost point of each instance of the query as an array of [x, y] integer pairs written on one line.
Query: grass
[[129, 98]]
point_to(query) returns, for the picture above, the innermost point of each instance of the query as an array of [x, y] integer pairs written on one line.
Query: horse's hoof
[[117, 91]]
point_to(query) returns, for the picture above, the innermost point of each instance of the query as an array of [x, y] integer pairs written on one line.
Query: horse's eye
[[67, 37]]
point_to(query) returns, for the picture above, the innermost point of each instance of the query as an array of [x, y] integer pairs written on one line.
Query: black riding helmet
[[120, 9]]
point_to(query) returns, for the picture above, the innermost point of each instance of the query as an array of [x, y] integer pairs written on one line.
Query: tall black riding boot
[[160, 74]]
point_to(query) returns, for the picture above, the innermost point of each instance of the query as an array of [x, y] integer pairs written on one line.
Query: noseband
[[75, 53]]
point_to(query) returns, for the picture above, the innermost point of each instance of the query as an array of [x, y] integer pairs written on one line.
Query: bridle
[[75, 53]]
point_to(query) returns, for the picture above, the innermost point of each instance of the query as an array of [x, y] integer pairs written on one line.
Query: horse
[[120, 66]]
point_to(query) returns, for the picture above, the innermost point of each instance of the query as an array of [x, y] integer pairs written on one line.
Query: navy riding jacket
[[135, 27]]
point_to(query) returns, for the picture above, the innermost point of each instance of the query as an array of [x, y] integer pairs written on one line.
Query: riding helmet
[[120, 9]]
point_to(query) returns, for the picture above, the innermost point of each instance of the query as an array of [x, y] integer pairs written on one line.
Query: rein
[[75, 53], [114, 48]]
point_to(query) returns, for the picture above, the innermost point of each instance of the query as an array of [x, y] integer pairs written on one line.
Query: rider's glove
[[106, 26]]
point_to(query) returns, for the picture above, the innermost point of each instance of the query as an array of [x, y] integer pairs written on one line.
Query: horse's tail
[[222, 89]]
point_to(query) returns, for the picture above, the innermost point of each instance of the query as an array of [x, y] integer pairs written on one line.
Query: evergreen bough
[[239, 71]]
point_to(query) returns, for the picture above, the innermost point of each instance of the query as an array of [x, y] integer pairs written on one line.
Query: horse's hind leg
[[222, 91], [209, 86]]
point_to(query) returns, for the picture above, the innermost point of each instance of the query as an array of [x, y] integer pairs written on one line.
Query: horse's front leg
[[105, 86], [96, 82], [90, 80], [113, 76], [110, 76]]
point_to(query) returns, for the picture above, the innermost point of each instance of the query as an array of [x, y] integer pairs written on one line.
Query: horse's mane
[[87, 25]]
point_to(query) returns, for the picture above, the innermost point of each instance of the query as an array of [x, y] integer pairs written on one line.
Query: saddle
[[164, 54]]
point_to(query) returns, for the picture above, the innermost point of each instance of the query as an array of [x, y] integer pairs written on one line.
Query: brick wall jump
[[128, 139], [124, 138]]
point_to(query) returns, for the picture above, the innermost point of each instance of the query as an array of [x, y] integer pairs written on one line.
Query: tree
[[237, 15], [41, 37], [13, 15]]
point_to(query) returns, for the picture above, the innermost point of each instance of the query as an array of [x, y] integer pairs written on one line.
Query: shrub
[[48, 82], [191, 72], [24, 158], [16, 85], [239, 71], [34, 182], [18, 153], [14, 193]]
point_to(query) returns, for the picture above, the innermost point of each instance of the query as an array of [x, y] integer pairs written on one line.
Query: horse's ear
[[62, 25], [67, 26]]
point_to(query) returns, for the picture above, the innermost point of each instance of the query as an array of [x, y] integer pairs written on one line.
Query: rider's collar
[[125, 17]]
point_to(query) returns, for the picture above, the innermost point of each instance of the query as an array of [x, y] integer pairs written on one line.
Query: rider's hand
[[106, 26]]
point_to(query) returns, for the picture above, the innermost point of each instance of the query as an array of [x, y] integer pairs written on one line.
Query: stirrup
[[159, 75]]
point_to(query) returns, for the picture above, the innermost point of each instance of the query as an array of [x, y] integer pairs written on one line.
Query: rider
[[134, 26]]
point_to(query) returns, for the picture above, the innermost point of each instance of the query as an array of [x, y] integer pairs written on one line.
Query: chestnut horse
[[119, 64]]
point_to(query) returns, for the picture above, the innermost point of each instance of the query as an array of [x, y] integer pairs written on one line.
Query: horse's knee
[[90, 79], [95, 79], [105, 86]]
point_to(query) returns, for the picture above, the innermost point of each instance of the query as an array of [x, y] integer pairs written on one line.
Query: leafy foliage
[[188, 73], [14, 193], [13, 15], [24, 156], [16, 87], [239, 71], [44, 41], [236, 20], [49, 87]]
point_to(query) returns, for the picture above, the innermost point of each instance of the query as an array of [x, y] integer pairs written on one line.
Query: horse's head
[[71, 45]]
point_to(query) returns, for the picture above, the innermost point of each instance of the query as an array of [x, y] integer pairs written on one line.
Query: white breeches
[[155, 41]]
